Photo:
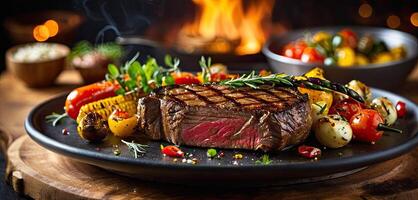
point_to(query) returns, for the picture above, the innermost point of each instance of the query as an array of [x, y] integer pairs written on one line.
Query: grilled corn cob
[[105, 107]]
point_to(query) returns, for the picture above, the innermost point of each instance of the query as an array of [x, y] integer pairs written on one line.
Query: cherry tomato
[[87, 94], [216, 77], [185, 78], [310, 54], [349, 38], [172, 151], [401, 109], [367, 126], [294, 49], [346, 108], [309, 151]]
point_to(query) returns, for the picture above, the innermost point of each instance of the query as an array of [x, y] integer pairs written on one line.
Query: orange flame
[[43, 32], [226, 20]]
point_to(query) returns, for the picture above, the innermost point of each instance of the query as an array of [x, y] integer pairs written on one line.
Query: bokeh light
[[393, 21], [365, 10], [414, 19]]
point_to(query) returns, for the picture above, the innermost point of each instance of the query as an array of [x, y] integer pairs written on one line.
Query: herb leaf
[[113, 71], [55, 118], [264, 160], [135, 148]]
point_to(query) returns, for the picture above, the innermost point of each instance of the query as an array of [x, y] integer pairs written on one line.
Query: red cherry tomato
[[401, 109], [349, 38], [309, 151], [366, 125], [87, 94], [172, 151], [294, 49], [346, 108], [216, 77], [310, 54], [185, 78]]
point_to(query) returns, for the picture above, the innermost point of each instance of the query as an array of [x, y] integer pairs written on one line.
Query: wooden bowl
[[39, 73], [20, 27]]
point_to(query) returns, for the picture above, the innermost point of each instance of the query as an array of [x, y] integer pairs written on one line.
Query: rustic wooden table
[[41, 174]]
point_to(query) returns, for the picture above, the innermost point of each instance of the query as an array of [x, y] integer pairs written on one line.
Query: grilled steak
[[269, 118]]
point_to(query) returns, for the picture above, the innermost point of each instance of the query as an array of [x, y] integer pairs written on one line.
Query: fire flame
[[228, 26], [43, 32]]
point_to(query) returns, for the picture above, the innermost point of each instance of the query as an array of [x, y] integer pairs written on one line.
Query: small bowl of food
[[37, 64], [92, 61], [379, 57]]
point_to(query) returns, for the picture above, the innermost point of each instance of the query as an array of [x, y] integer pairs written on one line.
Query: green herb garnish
[[322, 107], [254, 81], [134, 75], [109, 50], [264, 160], [211, 153], [135, 148], [205, 66], [55, 118]]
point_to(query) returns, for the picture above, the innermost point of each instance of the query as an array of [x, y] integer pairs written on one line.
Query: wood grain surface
[[41, 174]]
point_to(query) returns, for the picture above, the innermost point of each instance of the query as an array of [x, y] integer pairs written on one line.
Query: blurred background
[[158, 27]]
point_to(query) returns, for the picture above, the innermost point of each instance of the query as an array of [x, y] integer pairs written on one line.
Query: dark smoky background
[[104, 20]]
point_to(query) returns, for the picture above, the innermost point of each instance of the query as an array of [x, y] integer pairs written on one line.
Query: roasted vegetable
[[367, 126], [345, 56], [106, 106], [311, 54], [122, 123], [319, 109], [333, 131], [386, 110], [361, 89], [345, 108], [87, 94], [93, 127], [401, 109]]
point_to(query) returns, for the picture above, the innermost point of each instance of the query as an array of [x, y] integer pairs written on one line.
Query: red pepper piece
[[309, 151], [172, 151]]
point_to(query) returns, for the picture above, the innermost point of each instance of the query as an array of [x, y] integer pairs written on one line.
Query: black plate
[[286, 167]]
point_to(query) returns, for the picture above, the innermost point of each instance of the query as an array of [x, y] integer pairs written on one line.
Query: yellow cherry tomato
[[398, 52], [122, 124], [361, 60], [383, 57], [320, 36], [346, 56]]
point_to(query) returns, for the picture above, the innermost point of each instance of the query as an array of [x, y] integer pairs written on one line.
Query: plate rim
[[351, 162]]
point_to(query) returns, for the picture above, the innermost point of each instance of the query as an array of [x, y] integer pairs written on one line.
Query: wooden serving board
[[40, 174]]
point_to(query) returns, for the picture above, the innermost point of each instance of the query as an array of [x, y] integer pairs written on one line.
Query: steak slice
[[268, 118]]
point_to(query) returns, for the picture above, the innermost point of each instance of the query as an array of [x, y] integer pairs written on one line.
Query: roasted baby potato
[[333, 131]]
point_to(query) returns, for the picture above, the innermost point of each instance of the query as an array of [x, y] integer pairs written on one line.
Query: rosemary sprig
[[55, 118], [254, 81], [135, 148]]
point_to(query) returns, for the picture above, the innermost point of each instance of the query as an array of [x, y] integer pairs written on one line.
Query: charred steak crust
[[268, 118]]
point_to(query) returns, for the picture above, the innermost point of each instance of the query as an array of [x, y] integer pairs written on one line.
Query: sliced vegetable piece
[[309, 151], [172, 151]]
